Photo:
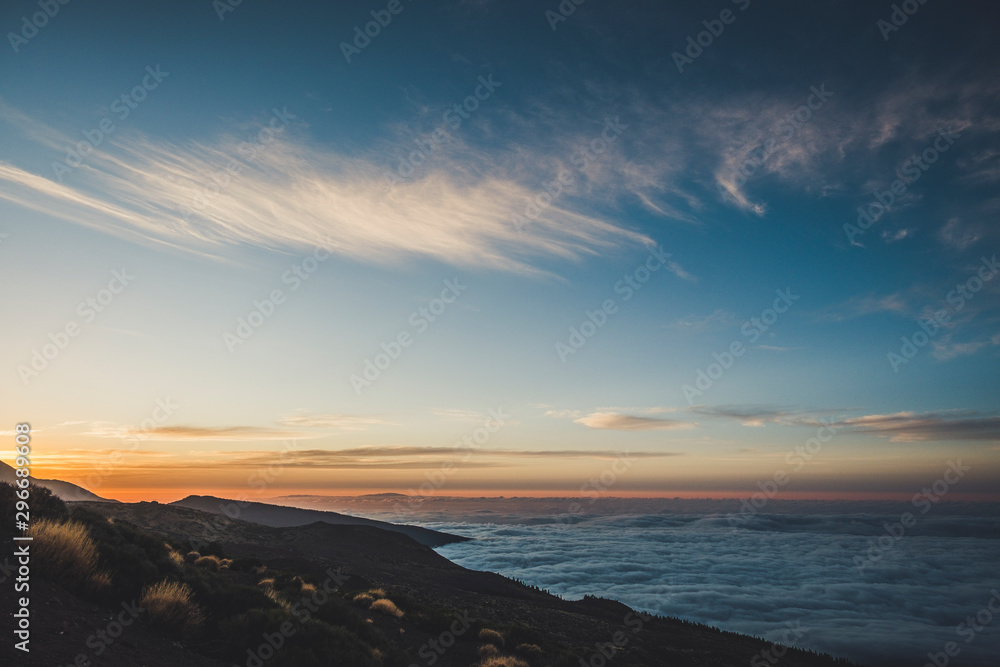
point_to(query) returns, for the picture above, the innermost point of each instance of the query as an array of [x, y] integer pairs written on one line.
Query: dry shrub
[[210, 562], [303, 586], [529, 649], [491, 637], [503, 661], [387, 607], [170, 604], [272, 592], [364, 599], [192, 556], [176, 557], [376, 592], [65, 551], [488, 650]]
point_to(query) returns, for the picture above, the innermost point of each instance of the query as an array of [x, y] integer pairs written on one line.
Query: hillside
[[431, 592]]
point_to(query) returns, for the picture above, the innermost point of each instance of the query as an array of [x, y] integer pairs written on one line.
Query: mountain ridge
[[281, 516]]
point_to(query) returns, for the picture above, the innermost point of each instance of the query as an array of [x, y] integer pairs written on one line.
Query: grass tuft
[[170, 604], [387, 607], [210, 562], [66, 552], [503, 661]]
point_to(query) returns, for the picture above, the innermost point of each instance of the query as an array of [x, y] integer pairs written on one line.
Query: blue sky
[[300, 143]]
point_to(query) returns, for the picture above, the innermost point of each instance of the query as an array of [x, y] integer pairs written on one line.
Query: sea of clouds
[[701, 560], [775, 570]]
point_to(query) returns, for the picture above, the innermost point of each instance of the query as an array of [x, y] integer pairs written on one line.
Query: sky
[[484, 248]]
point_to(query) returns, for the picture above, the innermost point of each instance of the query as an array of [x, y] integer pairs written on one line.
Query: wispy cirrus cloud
[[294, 194], [181, 433], [928, 426], [399, 457], [344, 422], [861, 306], [718, 319], [616, 421], [748, 415], [829, 152]]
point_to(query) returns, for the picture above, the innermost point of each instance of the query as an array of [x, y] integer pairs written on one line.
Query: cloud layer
[[774, 570]]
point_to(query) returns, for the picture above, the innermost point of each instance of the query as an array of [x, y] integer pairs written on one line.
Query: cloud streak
[[614, 421], [292, 194]]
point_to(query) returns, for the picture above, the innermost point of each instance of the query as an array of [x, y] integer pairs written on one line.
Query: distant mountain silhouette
[[278, 516], [64, 490]]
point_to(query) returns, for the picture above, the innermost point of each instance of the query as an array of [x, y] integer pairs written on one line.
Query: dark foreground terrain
[[322, 594]]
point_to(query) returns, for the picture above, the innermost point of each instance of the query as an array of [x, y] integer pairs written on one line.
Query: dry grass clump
[[488, 650], [175, 556], [377, 592], [192, 556], [387, 607], [529, 649], [65, 551], [170, 604], [272, 592], [364, 599], [503, 661], [303, 586], [491, 637], [209, 562]]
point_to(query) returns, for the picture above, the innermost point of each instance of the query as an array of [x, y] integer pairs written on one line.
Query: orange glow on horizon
[[133, 495]]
